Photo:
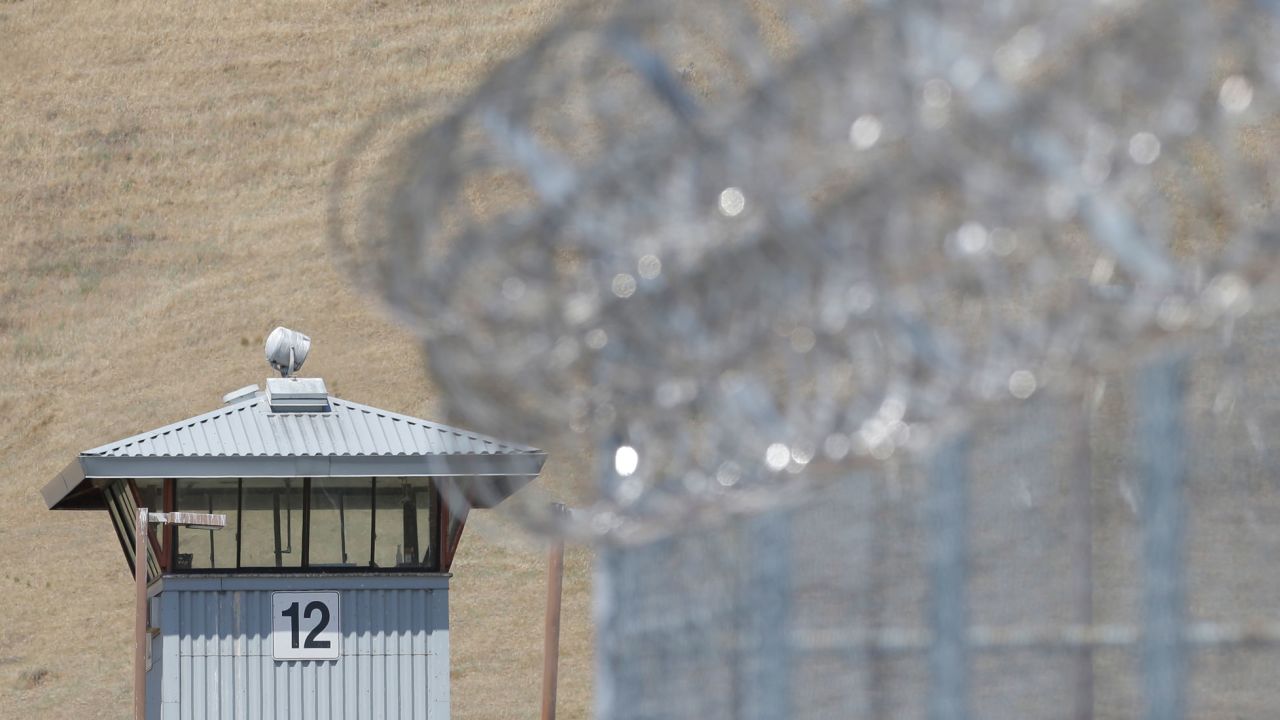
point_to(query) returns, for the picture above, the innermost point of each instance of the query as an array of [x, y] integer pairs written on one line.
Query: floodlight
[[287, 350]]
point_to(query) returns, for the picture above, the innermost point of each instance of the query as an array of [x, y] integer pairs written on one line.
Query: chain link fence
[[922, 348], [1098, 557]]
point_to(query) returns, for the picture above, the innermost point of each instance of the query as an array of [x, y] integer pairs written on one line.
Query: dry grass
[[163, 170]]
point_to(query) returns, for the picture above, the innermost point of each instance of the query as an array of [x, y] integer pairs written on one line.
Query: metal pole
[[764, 606], [1082, 512], [140, 563], [878, 670], [551, 643], [1162, 443], [948, 512]]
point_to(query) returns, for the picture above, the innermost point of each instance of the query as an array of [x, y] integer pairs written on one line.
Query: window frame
[[430, 562]]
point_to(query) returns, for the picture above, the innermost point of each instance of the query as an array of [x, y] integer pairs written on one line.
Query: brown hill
[[163, 170]]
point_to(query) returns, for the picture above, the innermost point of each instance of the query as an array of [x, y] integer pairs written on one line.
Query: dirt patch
[[87, 260], [106, 147], [32, 678]]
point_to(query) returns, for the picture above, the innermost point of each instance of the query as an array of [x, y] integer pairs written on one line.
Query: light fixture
[[287, 350]]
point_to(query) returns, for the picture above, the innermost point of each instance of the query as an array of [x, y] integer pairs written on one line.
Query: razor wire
[[765, 257], [751, 247]]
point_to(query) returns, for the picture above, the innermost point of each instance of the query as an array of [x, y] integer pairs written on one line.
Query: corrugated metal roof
[[247, 439], [252, 429]]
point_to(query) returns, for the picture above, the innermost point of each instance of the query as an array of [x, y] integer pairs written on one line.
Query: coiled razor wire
[[747, 247]]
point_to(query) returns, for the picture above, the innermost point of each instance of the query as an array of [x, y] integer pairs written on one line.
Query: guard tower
[[326, 594]]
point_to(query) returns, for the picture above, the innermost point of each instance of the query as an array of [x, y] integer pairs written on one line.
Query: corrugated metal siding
[[251, 429], [217, 662]]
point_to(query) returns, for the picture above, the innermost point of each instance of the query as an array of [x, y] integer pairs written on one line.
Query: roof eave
[[214, 466], [73, 488], [70, 490]]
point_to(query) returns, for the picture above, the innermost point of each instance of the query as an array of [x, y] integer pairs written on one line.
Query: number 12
[[292, 613]]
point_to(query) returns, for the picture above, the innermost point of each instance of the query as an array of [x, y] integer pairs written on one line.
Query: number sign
[[305, 626]]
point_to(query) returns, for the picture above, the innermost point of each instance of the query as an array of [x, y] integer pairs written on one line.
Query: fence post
[[551, 639], [1081, 479], [948, 515], [1163, 463], [766, 662]]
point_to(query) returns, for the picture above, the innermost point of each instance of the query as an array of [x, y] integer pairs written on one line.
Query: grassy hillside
[[163, 169]]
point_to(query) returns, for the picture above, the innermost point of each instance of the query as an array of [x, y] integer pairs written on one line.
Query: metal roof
[[247, 439]]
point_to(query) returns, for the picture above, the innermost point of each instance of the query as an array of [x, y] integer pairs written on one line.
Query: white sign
[[305, 626]]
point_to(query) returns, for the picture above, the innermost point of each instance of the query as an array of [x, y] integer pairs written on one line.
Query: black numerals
[[313, 607]]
